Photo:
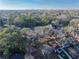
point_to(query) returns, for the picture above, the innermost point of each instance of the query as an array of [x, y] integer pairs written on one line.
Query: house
[[3, 21], [17, 56]]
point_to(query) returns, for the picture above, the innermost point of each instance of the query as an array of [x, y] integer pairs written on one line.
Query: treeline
[[29, 21]]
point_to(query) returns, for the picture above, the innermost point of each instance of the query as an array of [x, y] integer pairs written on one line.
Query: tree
[[22, 20], [1, 22], [12, 41], [74, 23], [11, 20]]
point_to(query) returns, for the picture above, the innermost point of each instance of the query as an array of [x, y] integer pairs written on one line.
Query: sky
[[38, 4]]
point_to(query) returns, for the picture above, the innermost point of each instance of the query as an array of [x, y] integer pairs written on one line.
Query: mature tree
[[11, 20], [12, 41], [74, 23], [1, 22]]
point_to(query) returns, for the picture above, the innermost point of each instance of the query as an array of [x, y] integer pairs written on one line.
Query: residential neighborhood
[[39, 34]]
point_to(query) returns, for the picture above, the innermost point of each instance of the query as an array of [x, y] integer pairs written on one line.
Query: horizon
[[44, 9]]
